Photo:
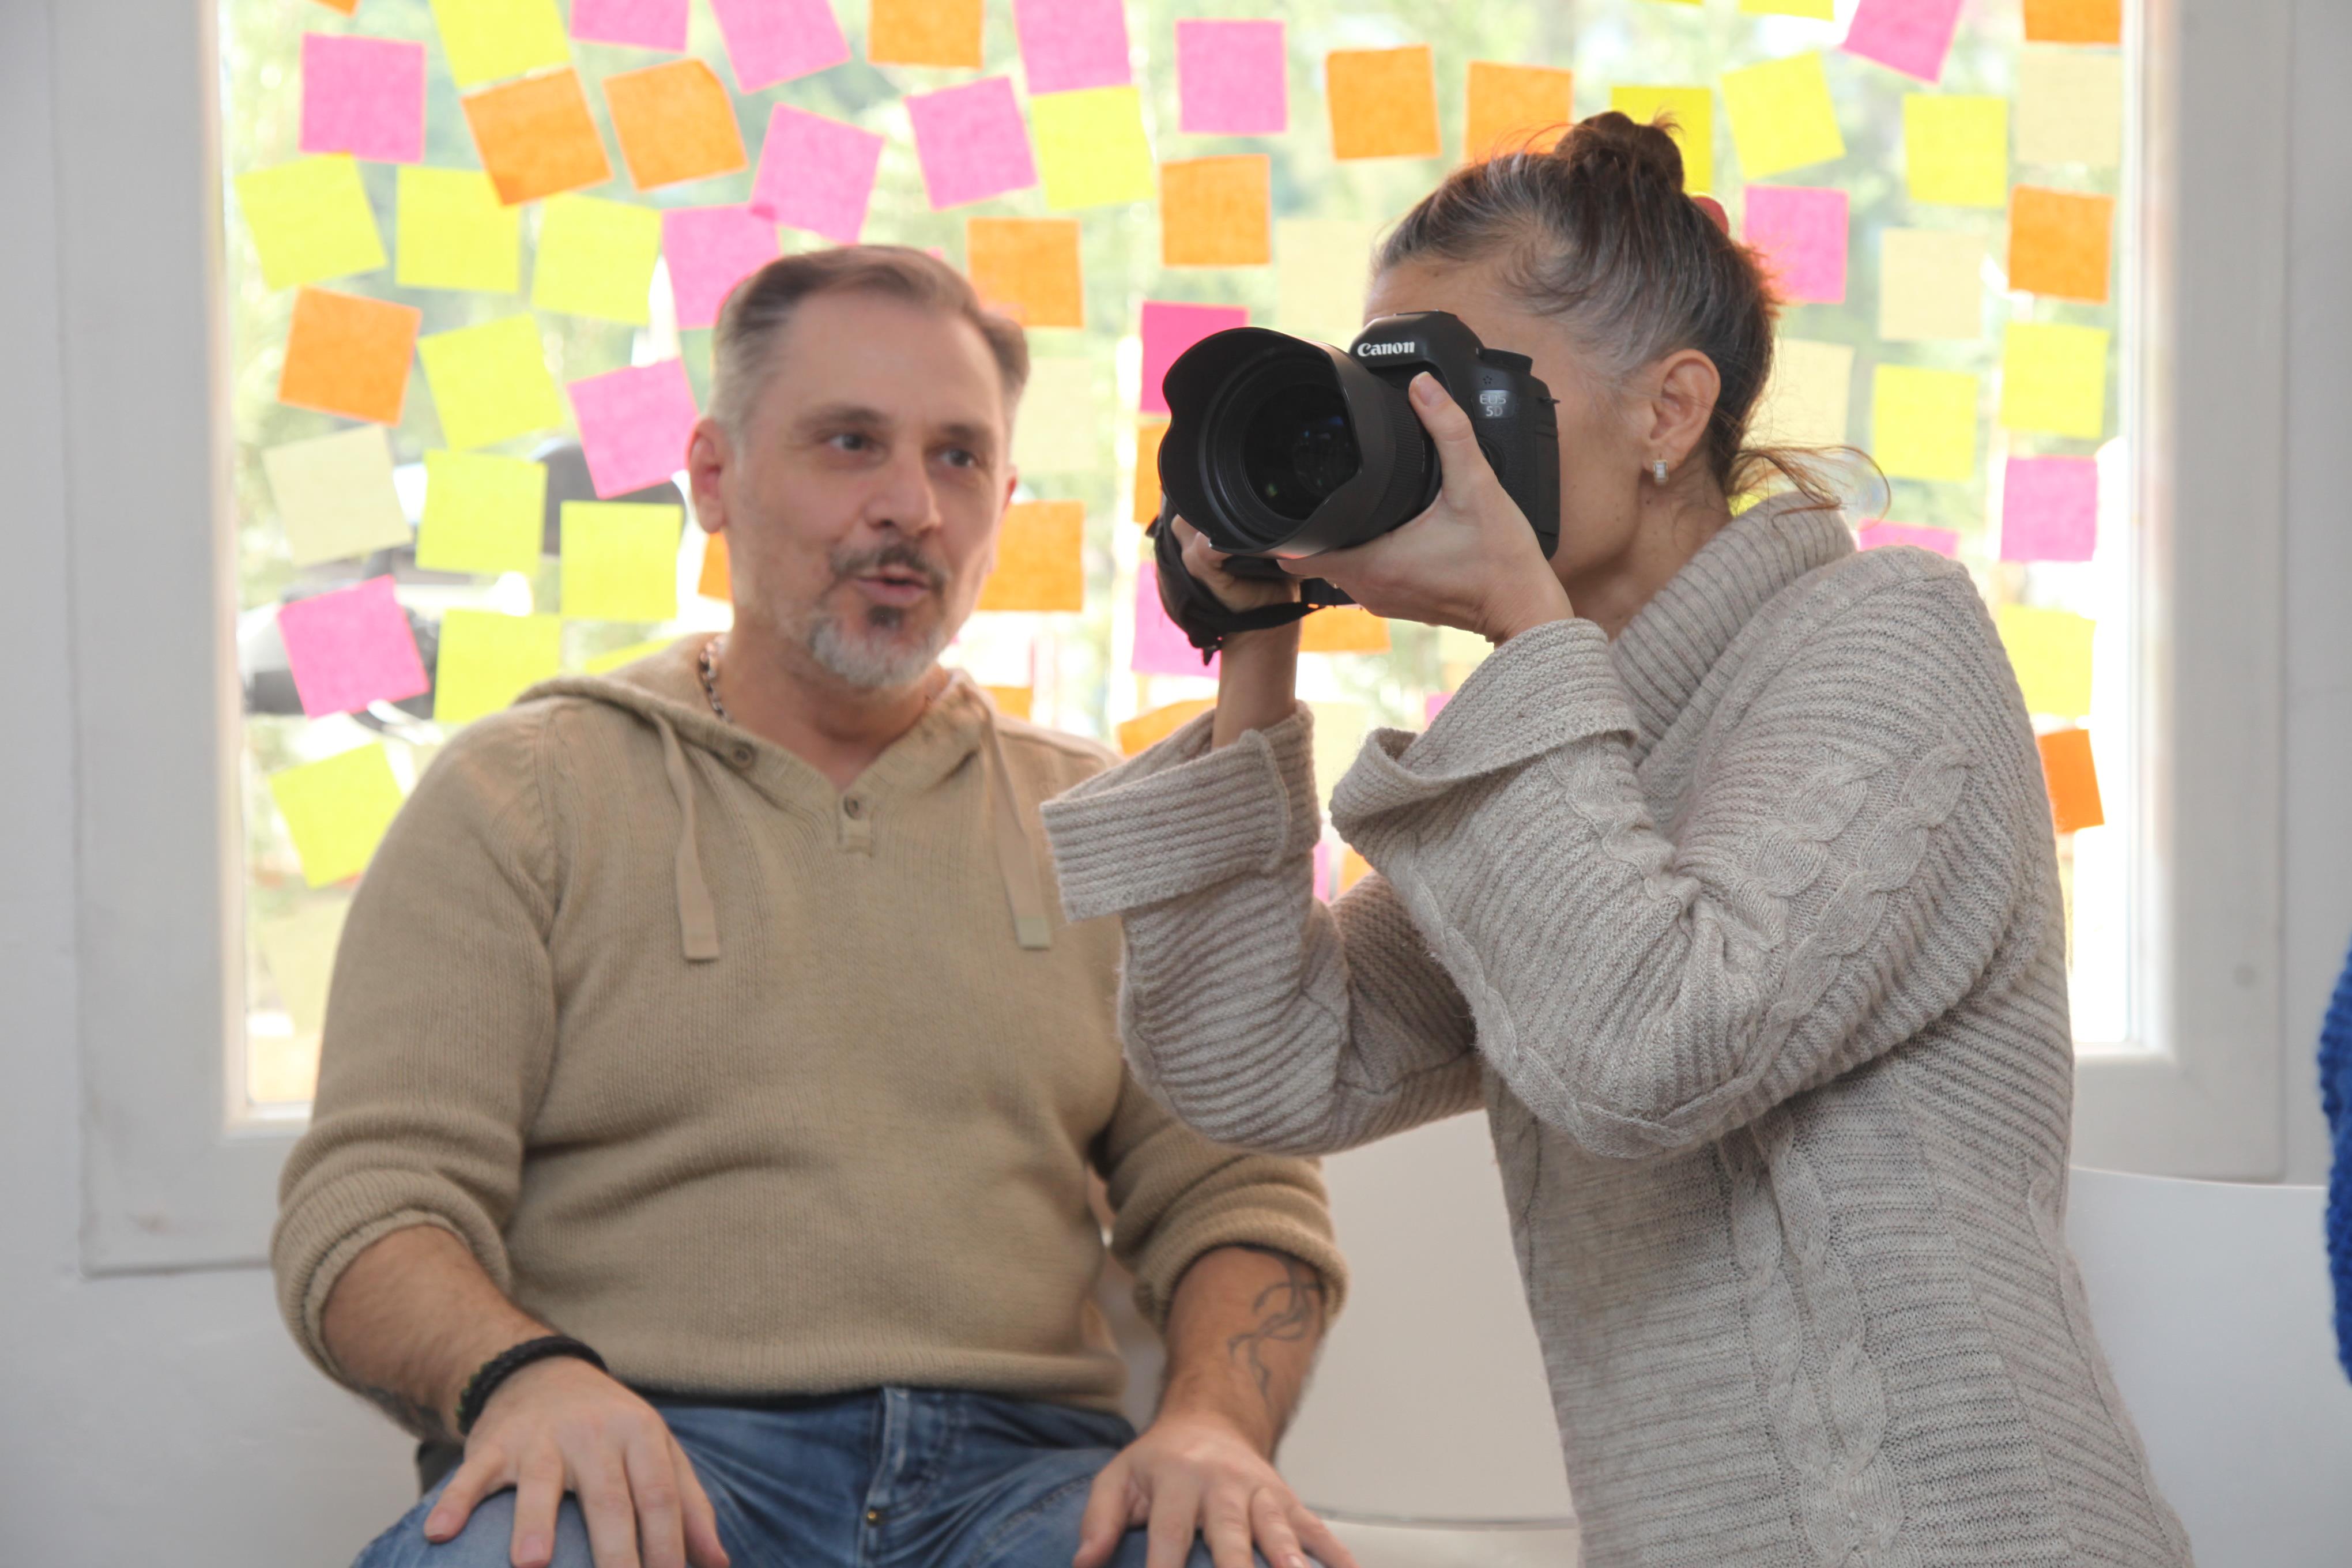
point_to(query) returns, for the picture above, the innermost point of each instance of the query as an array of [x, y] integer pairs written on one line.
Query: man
[[717, 1016]]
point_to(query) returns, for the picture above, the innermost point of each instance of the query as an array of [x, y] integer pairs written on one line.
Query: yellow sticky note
[[596, 259], [1028, 269], [1781, 117], [481, 513], [1147, 433], [1692, 111], [1923, 423], [485, 40], [1512, 108], [1383, 103], [1147, 730], [1321, 269], [487, 659], [616, 659], [2051, 651], [924, 33], [2060, 243], [490, 383], [335, 495], [1091, 150], [310, 220], [1339, 730], [1956, 149], [455, 233], [1217, 212], [1012, 701], [300, 950], [1930, 285], [1807, 400], [336, 810], [2054, 380], [1345, 628], [2070, 106], [620, 560], [1819, 10], [1040, 558], [1059, 428]]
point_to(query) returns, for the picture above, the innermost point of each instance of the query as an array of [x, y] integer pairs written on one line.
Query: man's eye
[[853, 441], [962, 457]]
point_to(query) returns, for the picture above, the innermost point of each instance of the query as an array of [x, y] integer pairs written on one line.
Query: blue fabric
[[953, 1479], [2335, 1098]]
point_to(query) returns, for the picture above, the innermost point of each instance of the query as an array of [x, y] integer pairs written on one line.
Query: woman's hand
[[1257, 675], [1207, 565], [1470, 561]]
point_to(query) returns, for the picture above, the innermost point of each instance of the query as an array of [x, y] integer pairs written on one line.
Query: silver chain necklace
[[709, 662]]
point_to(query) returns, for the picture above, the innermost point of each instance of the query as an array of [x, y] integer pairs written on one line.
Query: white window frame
[[174, 1180]]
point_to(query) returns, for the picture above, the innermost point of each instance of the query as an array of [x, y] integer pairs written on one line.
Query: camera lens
[[1297, 448]]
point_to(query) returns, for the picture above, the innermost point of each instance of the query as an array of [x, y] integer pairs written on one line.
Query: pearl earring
[[1658, 470]]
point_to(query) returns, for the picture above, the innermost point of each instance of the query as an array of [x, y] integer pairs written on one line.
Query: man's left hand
[[1198, 1473]]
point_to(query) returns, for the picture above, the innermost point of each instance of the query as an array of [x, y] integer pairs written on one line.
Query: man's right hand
[[560, 1425]]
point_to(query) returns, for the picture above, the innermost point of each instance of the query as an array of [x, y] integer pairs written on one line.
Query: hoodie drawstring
[[1017, 857], [698, 917]]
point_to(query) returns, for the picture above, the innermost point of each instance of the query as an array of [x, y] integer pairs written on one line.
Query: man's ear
[[708, 455], [1682, 403]]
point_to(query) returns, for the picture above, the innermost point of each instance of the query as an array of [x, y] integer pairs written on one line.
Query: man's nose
[[904, 498]]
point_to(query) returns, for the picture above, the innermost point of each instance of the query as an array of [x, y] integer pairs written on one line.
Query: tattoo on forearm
[[1289, 1310], [413, 1417]]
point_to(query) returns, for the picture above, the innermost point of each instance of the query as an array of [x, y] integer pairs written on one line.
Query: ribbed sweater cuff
[[1182, 818]]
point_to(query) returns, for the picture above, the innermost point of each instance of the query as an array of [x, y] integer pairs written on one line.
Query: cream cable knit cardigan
[[1747, 932]]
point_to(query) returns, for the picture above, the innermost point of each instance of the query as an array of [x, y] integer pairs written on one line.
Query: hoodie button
[[742, 755], [853, 806]]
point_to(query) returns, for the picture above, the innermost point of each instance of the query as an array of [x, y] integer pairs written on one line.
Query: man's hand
[[562, 1425], [1194, 1472]]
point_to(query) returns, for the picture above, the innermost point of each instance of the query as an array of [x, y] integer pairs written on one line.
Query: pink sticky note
[[1802, 232], [768, 41], [1942, 541], [1909, 36], [2050, 509], [1325, 871], [364, 96], [1233, 78], [643, 24], [1069, 44], [634, 425], [1168, 331], [1433, 705], [1161, 648], [350, 648], [816, 174], [709, 250], [971, 142]]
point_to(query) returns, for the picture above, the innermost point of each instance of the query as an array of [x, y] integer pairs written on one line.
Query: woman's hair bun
[[1615, 141]]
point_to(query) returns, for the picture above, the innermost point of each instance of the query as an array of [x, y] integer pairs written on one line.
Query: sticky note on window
[[1689, 112], [1167, 331], [1923, 423], [1060, 426], [596, 259], [337, 810], [1159, 647], [1781, 117], [2051, 651], [1091, 149], [335, 495], [971, 142], [620, 560], [1217, 212], [1344, 628], [1801, 233], [1909, 36], [1321, 269], [1821, 10], [640, 23], [482, 514], [1945, 542], [350, 648], [1148, 434], [2070, 107], [1027, 268], [2054, 380], [2073, 779], [487, 659], [2059, 243], [485, 40], [675, 122], [1040, 558], [1383, 103], [2074, 21], [634, 425], [1513, 108], [454, 233], [309, 221], [300, 950], [1930, 285], [715, 579], [362, 96], [924, 33], [1012, 701], [490, 383], [348, 355], [1067, 44], [817, 173], [709, 250], [2049, 509], [772, 41], [1233, 78], [1807, 399], [1956, 149], [1339, 730], [1147, 730], [535, 137]]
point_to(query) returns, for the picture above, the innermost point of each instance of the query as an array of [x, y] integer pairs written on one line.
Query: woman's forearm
[[1257, 683]]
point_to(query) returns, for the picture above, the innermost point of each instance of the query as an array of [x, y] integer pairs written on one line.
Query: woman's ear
[[1685, 386]]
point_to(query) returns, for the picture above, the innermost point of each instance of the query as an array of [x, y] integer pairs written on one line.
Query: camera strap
[[1206, 620]]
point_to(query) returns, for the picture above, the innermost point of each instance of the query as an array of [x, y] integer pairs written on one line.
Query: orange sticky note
[[2073, 781], [2074, 21], [1146, 468], [349, 355], [345, 6], [1148, 730], [1354, 868], [1217, 212], [716, 581], [1345, 628], [1012, 701], [1040, 558], [536, 137], [2058, 243], [924, 33], [675, 122], [1383, 103], [1027, 268], [1512, 108]]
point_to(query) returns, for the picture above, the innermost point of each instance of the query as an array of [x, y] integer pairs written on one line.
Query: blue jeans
[[888, 1478]]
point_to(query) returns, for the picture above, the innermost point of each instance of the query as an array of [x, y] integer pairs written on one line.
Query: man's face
[[861, 498]]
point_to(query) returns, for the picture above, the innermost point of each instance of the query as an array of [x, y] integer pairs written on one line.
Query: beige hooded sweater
[[1746, 929], [758, 1086]]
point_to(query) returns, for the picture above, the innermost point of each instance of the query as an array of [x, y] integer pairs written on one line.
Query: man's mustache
[[905, 557]]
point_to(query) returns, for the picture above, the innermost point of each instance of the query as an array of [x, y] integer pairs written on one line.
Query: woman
[[1727, 883]]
